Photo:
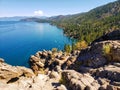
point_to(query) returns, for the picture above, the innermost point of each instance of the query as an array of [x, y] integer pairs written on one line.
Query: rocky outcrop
[[106, 75], [111, 72], [48, 61], [10, 73], [59, 76], [97, 67], [103, 78], [95, 56], [21, 78], [40, 82], [101, 61], [94, 69], [113, 35], [78, 81]]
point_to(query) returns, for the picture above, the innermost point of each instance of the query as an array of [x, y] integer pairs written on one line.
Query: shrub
[[67, 48], [73, 46], [107, 52], [62, 80], [106, 49], [79, 45], [54, 50]]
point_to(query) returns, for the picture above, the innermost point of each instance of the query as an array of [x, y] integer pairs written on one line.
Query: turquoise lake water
[[19, 40]]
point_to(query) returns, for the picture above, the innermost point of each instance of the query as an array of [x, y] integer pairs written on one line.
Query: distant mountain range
[[17, 18], [89, 25]]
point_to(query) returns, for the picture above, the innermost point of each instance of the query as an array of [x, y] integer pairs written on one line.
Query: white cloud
[[38, 13]]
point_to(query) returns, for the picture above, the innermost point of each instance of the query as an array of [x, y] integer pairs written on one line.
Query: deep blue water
[[19, 40]]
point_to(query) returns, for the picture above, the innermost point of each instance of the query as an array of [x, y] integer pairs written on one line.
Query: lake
[[19, 40]]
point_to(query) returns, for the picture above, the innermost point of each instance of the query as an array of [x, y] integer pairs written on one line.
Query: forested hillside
[[90, 25]]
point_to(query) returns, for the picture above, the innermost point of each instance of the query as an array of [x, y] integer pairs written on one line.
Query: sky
[[9, 8]]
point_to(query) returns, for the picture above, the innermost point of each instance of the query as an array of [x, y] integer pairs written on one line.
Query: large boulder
[[40, 82], [48, 61], [105, 75], [111, 72], [95, 56], [22, 78], [78, 81], [10, 73]]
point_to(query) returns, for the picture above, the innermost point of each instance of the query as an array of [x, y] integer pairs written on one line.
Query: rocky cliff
[[113, 35], [95, 68]]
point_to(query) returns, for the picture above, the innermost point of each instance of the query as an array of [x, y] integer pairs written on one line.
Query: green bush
[[62, 80], [107, 52], [54, 50], [67, 48], [106, 49]]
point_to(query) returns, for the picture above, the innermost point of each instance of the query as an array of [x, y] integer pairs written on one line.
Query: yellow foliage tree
[[81, 45]]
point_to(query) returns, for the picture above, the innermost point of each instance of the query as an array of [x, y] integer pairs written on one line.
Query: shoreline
[[57, 70]]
